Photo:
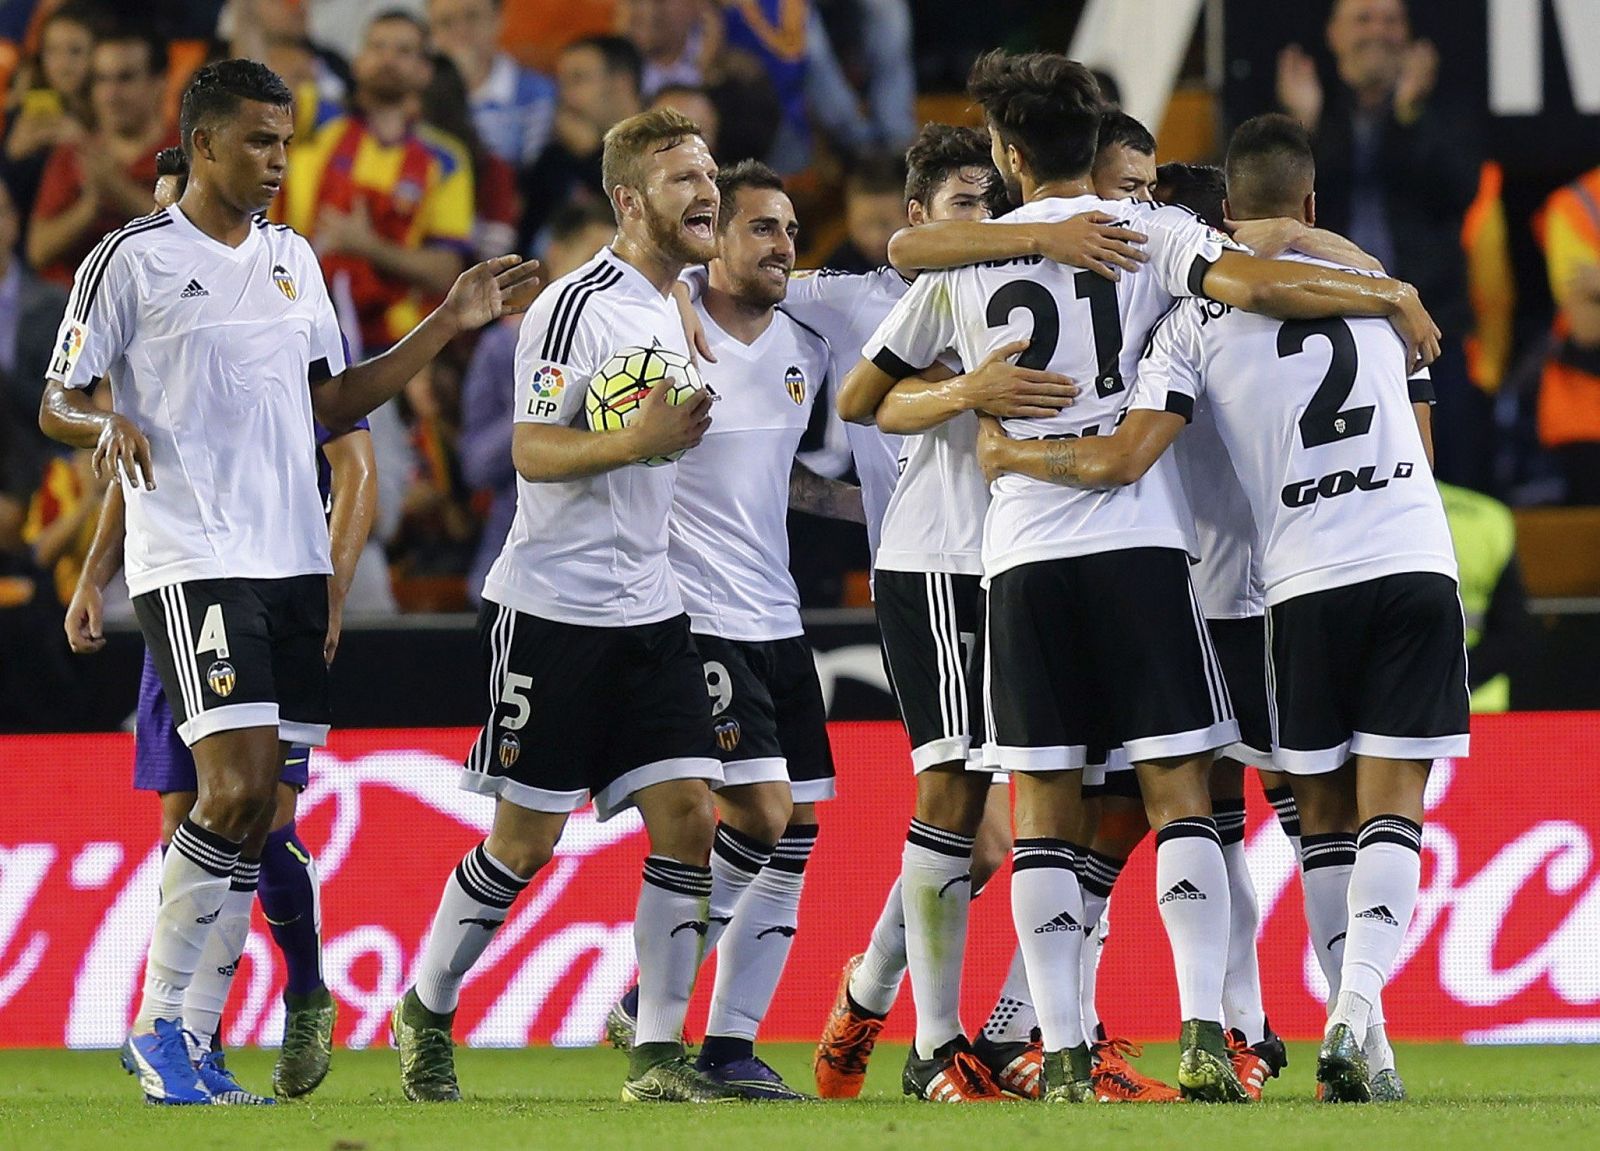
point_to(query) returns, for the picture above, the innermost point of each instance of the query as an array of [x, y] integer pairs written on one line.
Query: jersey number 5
[[1036, 299], [1323, 421]]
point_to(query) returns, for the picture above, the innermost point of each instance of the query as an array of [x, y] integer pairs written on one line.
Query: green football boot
[[307, 1050], [1205, 1068], [427, 1053]]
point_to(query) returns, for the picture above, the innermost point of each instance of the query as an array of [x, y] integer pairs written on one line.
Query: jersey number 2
[[1323, 421], [1036, 299]]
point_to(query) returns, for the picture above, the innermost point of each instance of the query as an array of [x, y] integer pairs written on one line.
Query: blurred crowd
[[432, 133]]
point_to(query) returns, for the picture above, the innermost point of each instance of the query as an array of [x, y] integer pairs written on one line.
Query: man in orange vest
[[1568, 227]]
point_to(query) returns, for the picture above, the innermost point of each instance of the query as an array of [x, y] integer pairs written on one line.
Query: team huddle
[[1090, 636]]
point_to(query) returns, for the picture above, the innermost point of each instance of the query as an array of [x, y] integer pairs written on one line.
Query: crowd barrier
[[1503, 947]]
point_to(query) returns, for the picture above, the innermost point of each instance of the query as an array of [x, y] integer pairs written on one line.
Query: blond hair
[[630, 143]]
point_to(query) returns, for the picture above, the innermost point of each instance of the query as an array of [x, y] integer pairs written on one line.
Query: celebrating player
[[1087, 592], [222, 345], [1366, 655], [580, 613]]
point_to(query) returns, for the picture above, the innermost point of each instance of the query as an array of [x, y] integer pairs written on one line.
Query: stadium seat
[[1560, 550]]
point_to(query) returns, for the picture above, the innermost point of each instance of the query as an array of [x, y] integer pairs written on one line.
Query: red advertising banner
[[1503, 947]]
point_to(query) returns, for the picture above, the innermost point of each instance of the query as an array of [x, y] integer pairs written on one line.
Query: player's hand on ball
[[663, 428], [1094, 241], [123, 448], [1005, 389], [84, 624], [503, 286]]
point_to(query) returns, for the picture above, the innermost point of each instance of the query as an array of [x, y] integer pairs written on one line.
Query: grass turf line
[[1462, 1099]]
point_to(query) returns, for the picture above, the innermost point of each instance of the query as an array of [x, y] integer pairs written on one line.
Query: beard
[[668, 234], [755, 290]]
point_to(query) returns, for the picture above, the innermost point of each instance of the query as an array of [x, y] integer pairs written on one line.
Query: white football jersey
[[1227, 579], [730, 537], [845, 309], [1088, 329], [590, 551], [934, 522], [1317, 417], [209, 350]]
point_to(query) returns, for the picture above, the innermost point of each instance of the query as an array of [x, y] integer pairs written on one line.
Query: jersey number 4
[[1036, 300], [1325, 421]]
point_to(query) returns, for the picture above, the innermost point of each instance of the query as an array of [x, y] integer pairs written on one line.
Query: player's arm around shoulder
[[998, 387], [1093, 240]]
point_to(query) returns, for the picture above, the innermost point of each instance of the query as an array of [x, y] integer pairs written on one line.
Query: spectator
[[50, 104], [875, 208], [683, 46], [1493, 599], [512, 106], [386, 200], [343, 24], [277, 32], [695, 104], [597, 84], [496, 210], [1396, 175], [38, 687], [102, 181], [1569, 394], [30, 313], [577, 232]]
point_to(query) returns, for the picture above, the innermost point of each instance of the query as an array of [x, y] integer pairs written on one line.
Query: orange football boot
[[848, 1038], [1118, 1081]]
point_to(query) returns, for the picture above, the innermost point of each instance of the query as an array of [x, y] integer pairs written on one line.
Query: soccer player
[[950, 177], [729, 551], [581, 617], [289, 887], [217, 332], [1089, 592], [1366, 657]]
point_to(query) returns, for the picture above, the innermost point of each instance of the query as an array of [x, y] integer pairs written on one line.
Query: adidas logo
[[1182, 889], [212, 918], [1381, 913], [1062, 922], [194, 289]]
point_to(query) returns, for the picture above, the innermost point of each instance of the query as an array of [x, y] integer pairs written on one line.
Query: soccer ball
[[619, 387]]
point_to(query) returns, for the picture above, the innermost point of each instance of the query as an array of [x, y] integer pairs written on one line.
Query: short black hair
[[171, 162], [1117, 127], [1198, 187], [1110, 90], [576, 215], [1042, 104], [876, 174], [940, 151], [618, 53], [127, 32], [744, 174], [388, 15], [1270, 166], [218, 89]]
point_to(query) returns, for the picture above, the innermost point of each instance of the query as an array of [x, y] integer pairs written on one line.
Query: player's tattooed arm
[[1092, 240], [1094, 462], [821, 496], [996, 386]]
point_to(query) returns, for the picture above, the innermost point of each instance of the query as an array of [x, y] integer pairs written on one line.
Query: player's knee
[[761, 811], [682, 825], [952, 799], [988, 854], [522, 857], [235, 807]]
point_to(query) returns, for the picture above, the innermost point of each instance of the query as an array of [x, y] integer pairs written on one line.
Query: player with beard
[[1087, 593], [582, 617], [730, 553], [221, 342]]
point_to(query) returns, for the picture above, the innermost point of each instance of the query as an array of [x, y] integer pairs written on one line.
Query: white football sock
[[736, 859], [1326, 861], [1383, 895], [208, 991], [1192, 887], [1013, 1018], [476, 900], [1282, 800], [1241, 983], [876, 981], [757, 944], [1098, 875], [669, 932], [936, 893], [195, 876], [1047, 908]]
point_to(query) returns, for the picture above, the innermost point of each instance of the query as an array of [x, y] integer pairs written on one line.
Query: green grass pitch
[[1509, 1099]]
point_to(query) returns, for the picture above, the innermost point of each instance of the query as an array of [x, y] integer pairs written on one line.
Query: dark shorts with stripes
[[1098, 651], [579, 712], [1242, 647], [931, 624], [240, 653]]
